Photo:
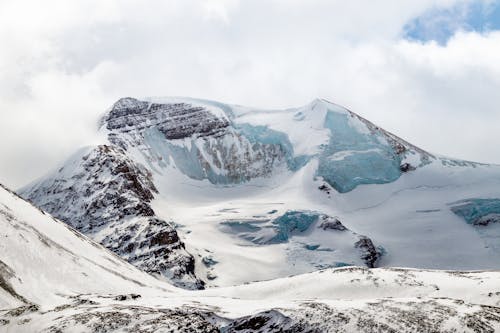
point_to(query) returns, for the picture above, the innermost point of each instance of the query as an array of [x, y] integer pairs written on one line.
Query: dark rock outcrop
[[214, 148], [369, 252], [174, 120], [406, 167], [331, 223], [107, 196]]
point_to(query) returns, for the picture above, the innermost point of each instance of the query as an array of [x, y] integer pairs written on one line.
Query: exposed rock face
[[6, 274], [102, 187], [137, 319], [212, 149], [388, 315], [107, 196], [175, 120], [130, 122], [331, 223], [406, 167], [267, 321], [369, 252], [385, 315], [210, 144], [488, 219], [227, 159]]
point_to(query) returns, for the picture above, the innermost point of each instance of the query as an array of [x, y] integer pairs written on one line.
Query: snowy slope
[[53, 279], [43, 261], [230, 177]]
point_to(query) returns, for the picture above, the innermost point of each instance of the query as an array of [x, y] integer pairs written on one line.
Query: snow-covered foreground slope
[[53, 279], [207, 194], [43, 261]]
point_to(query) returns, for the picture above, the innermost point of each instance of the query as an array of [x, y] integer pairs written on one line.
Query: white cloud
[[64, 62]]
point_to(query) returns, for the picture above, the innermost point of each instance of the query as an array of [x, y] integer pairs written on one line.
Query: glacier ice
[[484, 215], [312, 247], [232, 148], [479, 212], [354, 157], [354, 154], [258, 134], [275, 231], [326, 243], [292, 222], [239, 155]]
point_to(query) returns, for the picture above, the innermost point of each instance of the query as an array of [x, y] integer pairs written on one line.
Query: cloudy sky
[[427, 70]]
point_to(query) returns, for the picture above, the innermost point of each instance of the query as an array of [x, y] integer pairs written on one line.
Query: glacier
[[278, 230], [293, 222], [311, 231], [352, 158], [284, 217], [356, 153], [478, 212], [235, 157], [225, 181]]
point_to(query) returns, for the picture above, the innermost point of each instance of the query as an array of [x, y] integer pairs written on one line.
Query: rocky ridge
[[106, 195], [201, 143], [170, 144]]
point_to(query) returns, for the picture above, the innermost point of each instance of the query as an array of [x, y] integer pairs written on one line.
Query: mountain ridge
[[280, 215], [211, 165]]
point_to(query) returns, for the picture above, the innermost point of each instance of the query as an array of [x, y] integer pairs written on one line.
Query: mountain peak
[[204, 194], [175, 120], [321, 130]]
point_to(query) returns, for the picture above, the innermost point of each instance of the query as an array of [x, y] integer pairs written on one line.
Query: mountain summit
[[202, 193]]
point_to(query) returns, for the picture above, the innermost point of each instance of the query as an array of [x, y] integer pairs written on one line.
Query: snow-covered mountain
[[54, 279], [44, 261], [106, 195], [204, 193]]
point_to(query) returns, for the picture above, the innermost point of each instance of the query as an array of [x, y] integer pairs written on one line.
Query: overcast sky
[[427, 70]]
